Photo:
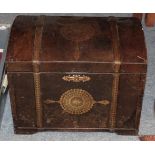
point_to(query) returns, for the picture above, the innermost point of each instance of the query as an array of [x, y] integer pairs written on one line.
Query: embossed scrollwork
[[76, 78], [77, 101]]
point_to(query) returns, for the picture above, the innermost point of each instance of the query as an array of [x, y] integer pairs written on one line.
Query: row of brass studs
[[37, 48], [37, 96], [115, 36], [114, 100]]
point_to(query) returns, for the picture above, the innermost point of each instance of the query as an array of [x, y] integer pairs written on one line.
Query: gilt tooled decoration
[[76, 78], [77, 101], [78, 31]]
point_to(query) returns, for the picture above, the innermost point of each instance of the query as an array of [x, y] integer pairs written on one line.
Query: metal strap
[[116, 75], [36, 58]]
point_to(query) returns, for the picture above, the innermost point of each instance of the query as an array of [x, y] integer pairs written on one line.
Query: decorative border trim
[[38, 99], [114, 100], [116, 75], [37, 50]]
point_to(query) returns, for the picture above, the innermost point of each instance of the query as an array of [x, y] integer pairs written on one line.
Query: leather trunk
[[76, 73]]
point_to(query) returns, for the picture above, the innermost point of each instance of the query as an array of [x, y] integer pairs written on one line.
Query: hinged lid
[[85, 44]]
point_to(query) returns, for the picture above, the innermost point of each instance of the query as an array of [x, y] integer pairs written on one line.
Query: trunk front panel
[[99, 87], [54, 116]]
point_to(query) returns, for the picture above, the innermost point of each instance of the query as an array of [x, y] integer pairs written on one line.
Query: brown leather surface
[[21, 88], [129, 100], [21, 41], [132, 46], [111, 51], [76, 39], [56, 117]]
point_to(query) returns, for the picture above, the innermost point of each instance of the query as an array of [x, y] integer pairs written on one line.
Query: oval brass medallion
[[76, 101]]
